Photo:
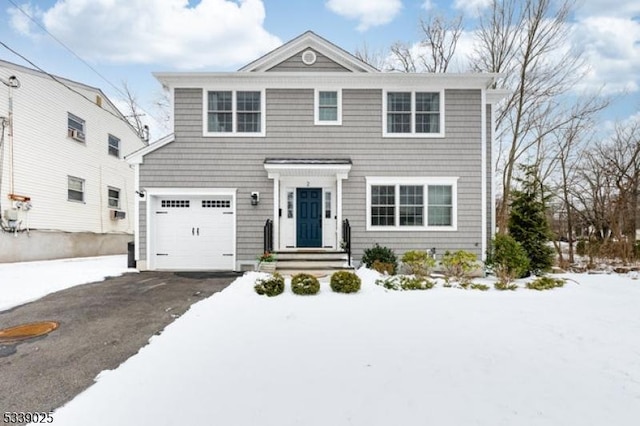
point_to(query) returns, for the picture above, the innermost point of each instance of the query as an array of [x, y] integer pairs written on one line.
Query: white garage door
[[193, 233]]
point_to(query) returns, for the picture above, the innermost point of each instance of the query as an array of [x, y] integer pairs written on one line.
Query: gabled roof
[[308, 40], [136, 157]]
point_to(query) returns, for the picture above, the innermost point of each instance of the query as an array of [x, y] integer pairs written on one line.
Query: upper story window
[[413, 114], [75, 189], [411, 204], [328, 107], [114, 146], [76, 127], [113, 195], [234, 113]]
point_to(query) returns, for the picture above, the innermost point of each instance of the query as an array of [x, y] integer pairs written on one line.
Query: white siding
[[43, 155]]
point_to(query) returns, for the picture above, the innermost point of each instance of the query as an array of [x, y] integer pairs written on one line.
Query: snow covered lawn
[[446, 356], [28, 281]]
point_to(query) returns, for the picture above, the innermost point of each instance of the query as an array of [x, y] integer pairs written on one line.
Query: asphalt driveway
[[101, 325]]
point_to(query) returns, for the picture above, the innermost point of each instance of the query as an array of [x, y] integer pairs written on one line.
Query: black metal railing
[[267, 240], [346, 239]]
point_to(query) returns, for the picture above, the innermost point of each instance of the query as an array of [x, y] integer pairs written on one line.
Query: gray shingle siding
[[294, 63], [196, 161]]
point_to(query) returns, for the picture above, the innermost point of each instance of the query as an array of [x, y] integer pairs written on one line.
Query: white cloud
[[220, 33], [471, 7], [612, 48], [370, 13], [20, 22], [427, 5], [620, 8]]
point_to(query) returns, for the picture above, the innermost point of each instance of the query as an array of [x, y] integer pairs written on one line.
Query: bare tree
[[525, 41], [438, 42], [134, 113], [163, 108], [375, 58]]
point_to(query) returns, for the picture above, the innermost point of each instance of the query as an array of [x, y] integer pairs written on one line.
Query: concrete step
[[310, 255]]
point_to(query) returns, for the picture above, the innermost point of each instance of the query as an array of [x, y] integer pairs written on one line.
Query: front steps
[[313, 262]]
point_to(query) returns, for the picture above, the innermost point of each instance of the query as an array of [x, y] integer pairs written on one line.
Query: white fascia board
[[344, 80], [190, 191], [493, 96], [277, 170], [137, 157]]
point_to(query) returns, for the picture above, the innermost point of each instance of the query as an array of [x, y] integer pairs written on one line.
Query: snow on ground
[[446, 356], [28, 281]]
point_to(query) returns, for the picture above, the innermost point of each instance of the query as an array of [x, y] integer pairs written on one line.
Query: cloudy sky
[[126, 40]]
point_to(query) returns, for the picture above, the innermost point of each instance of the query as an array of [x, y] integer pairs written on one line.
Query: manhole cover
[[26, 331]]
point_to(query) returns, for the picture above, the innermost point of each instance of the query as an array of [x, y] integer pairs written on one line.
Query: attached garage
[[191, 231]]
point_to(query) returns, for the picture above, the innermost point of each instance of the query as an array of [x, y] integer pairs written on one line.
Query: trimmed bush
[[383, 267], [305, 284], [459, 265], [418, 262], [345, 282], [545, 283], [404, 282], [510, 260], [501, 285], [272, 286], [382, 254]]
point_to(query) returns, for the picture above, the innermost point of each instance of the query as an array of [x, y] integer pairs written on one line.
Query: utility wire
[[56, 79], [67, 47]]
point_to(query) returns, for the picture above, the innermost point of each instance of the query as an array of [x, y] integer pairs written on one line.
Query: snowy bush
[[510, 260], [404, 282], [459, 265], [418, 262], [382, 254], [271, 286], [545, 283], [345, 282], [305, 284]]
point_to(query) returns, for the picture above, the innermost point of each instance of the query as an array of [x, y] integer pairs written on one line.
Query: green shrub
[[502, 285], [581, 247], [418, 262], [305, 284], [272, 286], [403, 282], [510, 260], [345, 282], [382, 254], [383, 267], [478, 286], [459, 265], [545, 283]]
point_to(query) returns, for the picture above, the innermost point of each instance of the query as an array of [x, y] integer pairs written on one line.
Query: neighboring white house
[[65, 190]]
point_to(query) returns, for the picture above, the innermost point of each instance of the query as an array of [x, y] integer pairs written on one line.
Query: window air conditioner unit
[[117, 214], [76, 134]]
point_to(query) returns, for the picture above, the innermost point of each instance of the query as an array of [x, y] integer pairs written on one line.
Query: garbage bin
[[131, 252]]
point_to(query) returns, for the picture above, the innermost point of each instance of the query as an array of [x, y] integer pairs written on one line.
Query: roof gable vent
[[309, 57]]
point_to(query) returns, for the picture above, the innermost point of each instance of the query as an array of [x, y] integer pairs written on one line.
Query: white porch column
[[339, 177], [276, 210]]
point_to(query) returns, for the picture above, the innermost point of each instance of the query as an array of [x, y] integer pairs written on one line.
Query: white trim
[[152, 193], [234, 112], [136, 211], [426, 181], [483, 175], [309, 79], [493, 176], [311, 169], [137, 157], [276, 211], [308, 40], [312, 59], [316, 107], [413, 134]]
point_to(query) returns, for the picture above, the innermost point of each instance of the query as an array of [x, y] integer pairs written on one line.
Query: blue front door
[[309, 220]]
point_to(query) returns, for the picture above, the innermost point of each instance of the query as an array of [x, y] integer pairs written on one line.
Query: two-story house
[[65, 189], [307, 143]]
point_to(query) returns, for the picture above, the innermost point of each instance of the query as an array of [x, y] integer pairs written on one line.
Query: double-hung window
[[328, 107], [76, 127], [75, 189], [230, 112], [114, 146], [113, 195], [413, 114], [411, 203]]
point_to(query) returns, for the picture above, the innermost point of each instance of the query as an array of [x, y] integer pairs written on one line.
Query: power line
[[66, 47], [56, 79]]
